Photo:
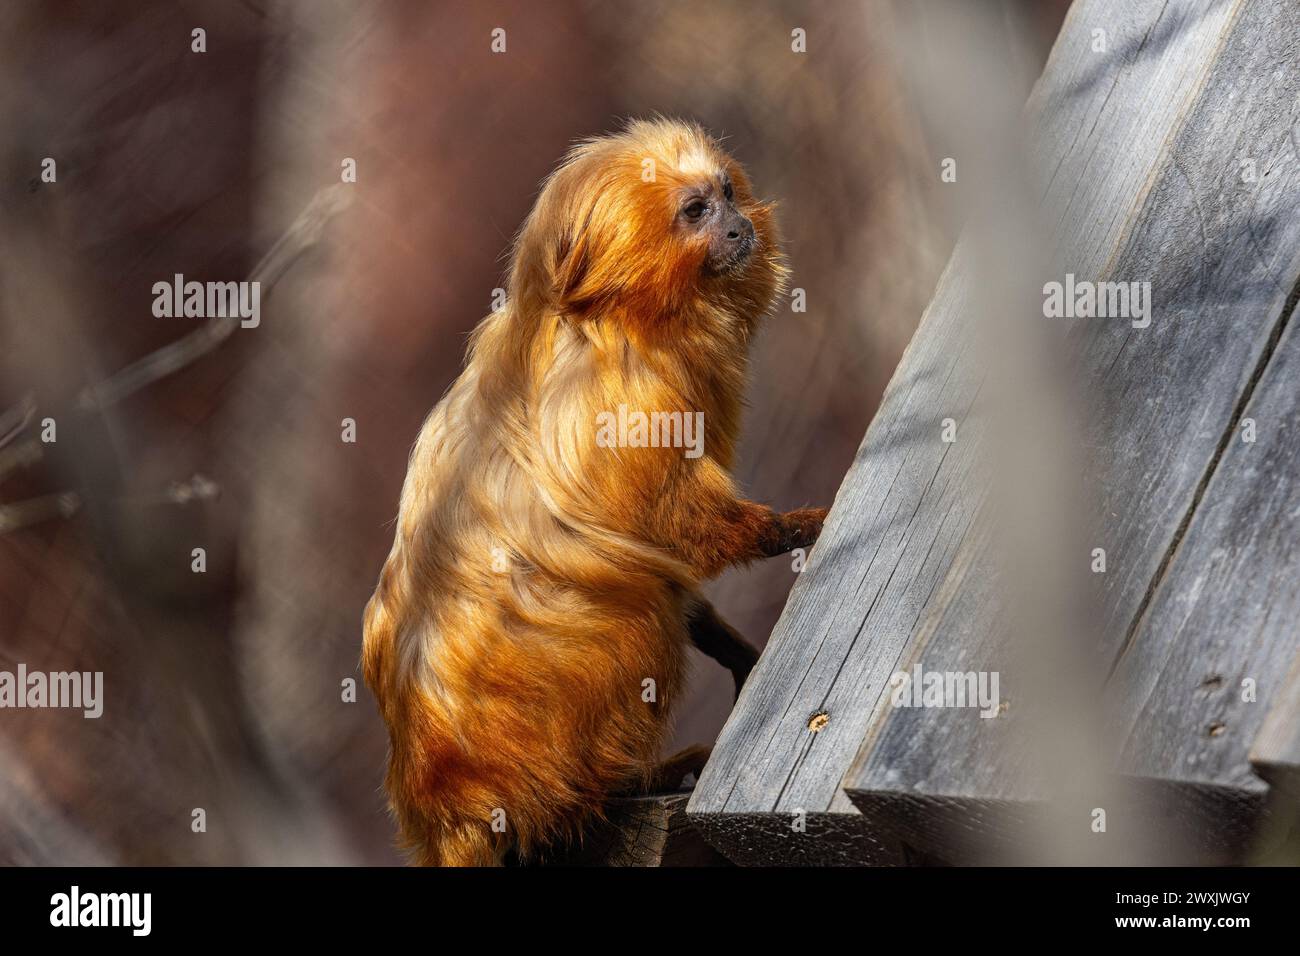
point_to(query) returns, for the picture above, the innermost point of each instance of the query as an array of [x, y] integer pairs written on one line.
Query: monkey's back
[[523, 674]]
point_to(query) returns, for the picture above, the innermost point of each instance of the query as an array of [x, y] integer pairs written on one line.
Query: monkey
[[528, 633]]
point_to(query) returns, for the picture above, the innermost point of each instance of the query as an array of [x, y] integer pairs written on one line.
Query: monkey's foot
[[670, 774]]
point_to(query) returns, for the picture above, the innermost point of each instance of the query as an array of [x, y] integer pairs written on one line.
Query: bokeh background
[[224, 690]]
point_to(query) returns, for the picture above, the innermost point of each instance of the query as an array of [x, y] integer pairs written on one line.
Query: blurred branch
[[303, 234], [14, 420], [35, 510]]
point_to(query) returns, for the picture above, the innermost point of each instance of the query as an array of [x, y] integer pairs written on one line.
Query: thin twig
[[305, 232], [14, 420], [22, 514]]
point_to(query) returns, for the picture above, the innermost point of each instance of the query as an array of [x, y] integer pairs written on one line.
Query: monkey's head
[[651, 225]]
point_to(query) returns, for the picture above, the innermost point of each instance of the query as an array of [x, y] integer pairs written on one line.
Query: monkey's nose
[[743, 229]]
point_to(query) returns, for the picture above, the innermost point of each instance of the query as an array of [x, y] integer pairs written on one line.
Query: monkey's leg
[[668, 776], [715, 637]]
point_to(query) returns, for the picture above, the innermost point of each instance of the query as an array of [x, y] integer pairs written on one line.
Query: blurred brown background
[[223, 690]]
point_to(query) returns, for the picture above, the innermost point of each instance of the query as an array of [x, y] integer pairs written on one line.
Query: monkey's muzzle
[[733, 242]]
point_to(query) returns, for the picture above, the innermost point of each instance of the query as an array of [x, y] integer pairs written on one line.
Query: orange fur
[[537, 579]]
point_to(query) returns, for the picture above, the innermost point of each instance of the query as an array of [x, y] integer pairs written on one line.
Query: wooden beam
[[1198, 594], [1139, 148]]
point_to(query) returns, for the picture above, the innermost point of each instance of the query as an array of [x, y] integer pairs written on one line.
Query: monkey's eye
[[728, 191], [694, 209]]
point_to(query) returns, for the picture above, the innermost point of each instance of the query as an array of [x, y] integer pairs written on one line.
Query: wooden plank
[[1101, 121], [1276, 758], [1210, 659], [1223, 256], [1275, 754]]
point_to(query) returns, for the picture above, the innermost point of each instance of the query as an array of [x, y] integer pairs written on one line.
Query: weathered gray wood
[[1227, 612], [1199, 591], [1101, 121], [1276, 758], [1276, 751]]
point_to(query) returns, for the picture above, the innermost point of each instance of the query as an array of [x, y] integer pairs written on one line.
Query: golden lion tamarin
[[528, 634]]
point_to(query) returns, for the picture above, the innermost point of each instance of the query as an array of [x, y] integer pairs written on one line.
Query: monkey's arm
[[715, 637], [701, 519]]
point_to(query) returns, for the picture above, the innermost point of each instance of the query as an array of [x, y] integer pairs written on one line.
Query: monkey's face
[[647, 224], [708, 216]]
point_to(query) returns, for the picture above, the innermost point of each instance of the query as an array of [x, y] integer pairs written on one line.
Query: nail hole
[[1216, 728], [818, 720], [1213, 682]]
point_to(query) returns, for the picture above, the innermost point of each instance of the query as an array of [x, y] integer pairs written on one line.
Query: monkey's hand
[[794, 529]]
